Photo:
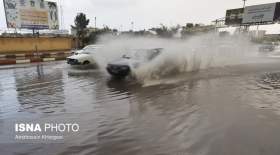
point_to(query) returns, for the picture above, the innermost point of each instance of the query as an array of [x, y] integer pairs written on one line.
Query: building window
[[32, 3], [42, 4], [22, 2]]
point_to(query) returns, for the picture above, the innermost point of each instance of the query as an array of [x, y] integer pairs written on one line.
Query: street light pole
[[95, 22], [244, 3], [61, 15], [132, 26]]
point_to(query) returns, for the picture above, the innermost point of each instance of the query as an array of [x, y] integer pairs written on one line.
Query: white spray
[[199, 52]]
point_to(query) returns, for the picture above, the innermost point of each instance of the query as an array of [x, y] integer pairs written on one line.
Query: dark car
[[268, 47], [123, 66]]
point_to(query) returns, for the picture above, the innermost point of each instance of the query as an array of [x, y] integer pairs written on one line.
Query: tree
[[163, 31], [175, 29], [189, 25], [93, 36], [81, 23], [187, 30]]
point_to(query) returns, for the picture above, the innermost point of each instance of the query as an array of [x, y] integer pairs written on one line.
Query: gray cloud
[[145, 13], [114, 4]]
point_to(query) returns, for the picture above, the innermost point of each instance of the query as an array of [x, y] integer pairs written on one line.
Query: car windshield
[[142, 54], [86, 52], [134, 54], [88, 49], [82, 52], [267, 44]]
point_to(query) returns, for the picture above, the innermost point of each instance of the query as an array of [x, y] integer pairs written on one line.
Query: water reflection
[[8, 94], [40, 70], [201, 114], [1, 91], [159, 119], [271, 80], [268, 85], [39, 90]]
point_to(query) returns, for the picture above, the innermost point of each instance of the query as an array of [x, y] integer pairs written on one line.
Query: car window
[[126, 56], [153, 54], [88, 51], [87, 47], [142, 54]]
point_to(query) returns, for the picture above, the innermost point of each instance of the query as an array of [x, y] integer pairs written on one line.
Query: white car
[[84, 56]]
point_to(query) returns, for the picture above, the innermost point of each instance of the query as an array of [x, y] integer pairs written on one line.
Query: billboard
[[277, 12], [259, 13], [234, 16], [31, 14]]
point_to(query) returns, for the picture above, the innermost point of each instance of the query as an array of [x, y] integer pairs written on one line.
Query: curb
[[23, 61], [8, 62], [12, 59], [31, 60], [13, 56]]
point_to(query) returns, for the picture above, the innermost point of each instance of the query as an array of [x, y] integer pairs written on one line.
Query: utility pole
[[121, 28], [36, 36], [61, 15], [244, 4], [132, 26], [95, 23]]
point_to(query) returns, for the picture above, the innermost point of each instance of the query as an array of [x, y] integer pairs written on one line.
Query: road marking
[[48, 59], [23, 61], [68, 52], [53, 53], [20, 55]]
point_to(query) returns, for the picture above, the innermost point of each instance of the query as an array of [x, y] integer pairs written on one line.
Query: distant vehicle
[[84, 56], [267, 47], [122, 67]]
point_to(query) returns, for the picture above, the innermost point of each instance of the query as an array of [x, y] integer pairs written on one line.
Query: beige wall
[[28, 44]]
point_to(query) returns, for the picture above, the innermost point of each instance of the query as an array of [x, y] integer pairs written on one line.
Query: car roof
[[147, 49]]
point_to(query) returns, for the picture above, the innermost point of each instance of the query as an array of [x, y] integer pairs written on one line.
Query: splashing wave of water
[[200, 52]]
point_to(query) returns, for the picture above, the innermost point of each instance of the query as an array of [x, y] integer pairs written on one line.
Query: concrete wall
[[9, 45]]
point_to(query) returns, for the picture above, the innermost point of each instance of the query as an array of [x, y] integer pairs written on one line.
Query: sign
[[31, 14], [277, 13], [259, 13], [234, 16]]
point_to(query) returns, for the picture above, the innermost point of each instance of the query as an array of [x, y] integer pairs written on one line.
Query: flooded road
[[230, 110]]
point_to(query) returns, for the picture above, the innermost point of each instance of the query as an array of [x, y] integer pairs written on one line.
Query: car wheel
[[86, 63]]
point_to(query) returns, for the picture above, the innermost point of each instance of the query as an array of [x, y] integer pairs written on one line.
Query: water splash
[[199, 52]]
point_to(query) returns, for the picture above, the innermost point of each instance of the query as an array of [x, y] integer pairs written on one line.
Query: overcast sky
[[144, 13]]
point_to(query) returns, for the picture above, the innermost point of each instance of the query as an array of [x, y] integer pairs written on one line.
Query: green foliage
[[166, 32], [81, 23], [192, 29], [93, 36], [189, 25]]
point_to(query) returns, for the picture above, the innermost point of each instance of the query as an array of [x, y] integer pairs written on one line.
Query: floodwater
[[223, 111]]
